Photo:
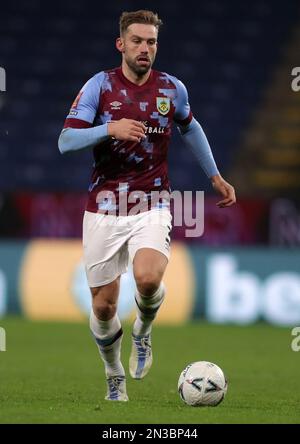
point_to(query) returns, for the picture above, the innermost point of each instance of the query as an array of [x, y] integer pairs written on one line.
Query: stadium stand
[[271, 145]]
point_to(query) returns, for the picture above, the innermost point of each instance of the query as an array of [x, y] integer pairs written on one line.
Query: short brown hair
[[142, 16]]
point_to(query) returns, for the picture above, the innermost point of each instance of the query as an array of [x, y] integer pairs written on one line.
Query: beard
[[139, 70]]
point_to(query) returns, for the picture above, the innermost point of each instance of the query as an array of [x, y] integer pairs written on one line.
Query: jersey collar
[[132, 85]]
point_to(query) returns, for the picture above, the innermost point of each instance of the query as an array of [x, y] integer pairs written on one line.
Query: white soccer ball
[[202, 384]]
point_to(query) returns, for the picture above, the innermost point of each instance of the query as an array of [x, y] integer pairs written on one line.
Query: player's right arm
[[78, 132]]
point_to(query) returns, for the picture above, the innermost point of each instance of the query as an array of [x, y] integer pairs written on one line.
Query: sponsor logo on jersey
[[155, 130], [115, 105], [163, 105], [73, 112]]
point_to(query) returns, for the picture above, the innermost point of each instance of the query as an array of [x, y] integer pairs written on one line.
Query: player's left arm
[[195, 138]]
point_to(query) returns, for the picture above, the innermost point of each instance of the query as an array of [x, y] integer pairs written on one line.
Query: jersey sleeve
[[183, 114], [84, 108]]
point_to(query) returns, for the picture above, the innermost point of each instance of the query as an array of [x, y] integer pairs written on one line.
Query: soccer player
[[125, 116]]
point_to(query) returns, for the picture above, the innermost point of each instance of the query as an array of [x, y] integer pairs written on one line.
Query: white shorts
[[109, 241]]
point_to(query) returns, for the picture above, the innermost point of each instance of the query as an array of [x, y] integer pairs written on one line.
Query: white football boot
[[116, 389], [141, 356]]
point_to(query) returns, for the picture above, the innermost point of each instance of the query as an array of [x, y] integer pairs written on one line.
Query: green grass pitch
[[52, 373]]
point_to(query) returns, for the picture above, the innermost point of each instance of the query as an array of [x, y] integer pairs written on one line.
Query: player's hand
[[225, 189], [127, 129]]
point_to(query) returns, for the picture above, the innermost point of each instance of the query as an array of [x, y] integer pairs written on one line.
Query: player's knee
[[147, 283], [104, 310], [104, 300]]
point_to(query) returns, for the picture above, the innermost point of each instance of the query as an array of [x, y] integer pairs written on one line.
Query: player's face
[[140, 47]]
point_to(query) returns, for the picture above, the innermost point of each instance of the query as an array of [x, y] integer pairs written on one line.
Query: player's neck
[[130, 75]]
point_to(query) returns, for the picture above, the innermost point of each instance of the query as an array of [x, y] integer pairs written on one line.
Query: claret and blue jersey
[[109, 96]]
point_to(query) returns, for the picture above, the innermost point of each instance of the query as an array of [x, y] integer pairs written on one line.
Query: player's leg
[[149, 249], [148, 267], [107, 331], [106, 258]]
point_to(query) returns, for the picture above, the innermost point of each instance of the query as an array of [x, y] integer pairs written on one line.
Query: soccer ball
[[202, 384]]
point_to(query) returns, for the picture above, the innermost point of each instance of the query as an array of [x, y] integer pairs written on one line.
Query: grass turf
[[52, 373]]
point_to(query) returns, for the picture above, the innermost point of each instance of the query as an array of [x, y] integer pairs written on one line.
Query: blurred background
[[236, 59]]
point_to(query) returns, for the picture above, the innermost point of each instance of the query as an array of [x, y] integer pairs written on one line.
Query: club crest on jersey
[[115, 105], [163, 105]]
